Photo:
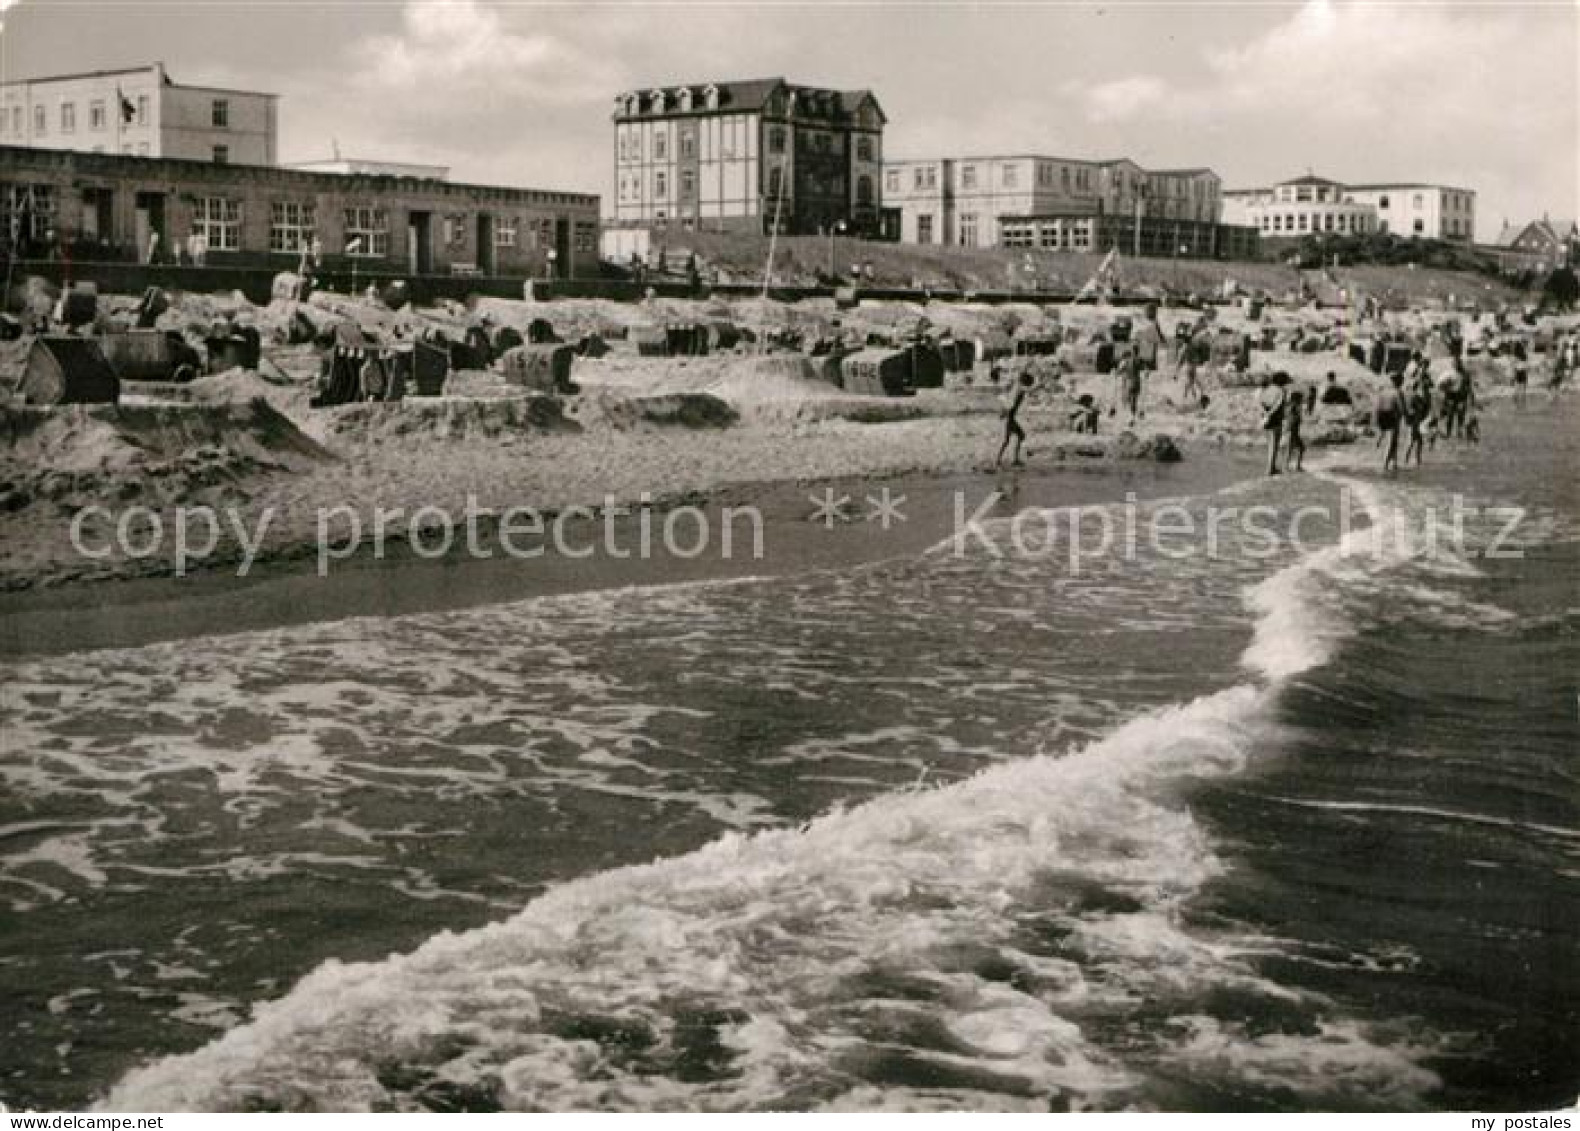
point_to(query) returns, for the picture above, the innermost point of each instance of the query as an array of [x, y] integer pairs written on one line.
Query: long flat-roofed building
[[1311, 205], [108, 206], [1062, 203], [140, 112], [745, 155]]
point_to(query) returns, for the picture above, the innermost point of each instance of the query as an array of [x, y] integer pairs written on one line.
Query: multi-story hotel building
[[1054, 202], [140, 112], [1312, 205], [745, 155]]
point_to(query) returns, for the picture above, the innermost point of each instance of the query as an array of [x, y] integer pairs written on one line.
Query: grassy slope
[[804, 259]]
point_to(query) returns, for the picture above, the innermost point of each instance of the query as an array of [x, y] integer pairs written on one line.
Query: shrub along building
[[101, 206], [1061, 203], [744, 155]]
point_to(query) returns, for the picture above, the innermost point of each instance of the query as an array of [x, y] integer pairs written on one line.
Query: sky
[[1482, 96]]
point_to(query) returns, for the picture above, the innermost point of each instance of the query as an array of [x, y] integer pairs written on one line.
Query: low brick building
[[58, 203]]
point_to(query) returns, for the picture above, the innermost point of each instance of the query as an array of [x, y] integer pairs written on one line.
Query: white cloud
[[1475, 96], [447, 48]]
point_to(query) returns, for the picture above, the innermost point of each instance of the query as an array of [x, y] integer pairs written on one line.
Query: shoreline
[[283, 590]]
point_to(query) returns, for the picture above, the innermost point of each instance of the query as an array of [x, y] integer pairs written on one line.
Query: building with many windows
[[1312, 205], [1059, 203], [747, 156], [140, 112], [107, 206]]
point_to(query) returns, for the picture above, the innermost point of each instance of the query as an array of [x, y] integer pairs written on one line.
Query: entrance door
[[419, 243], [98, 216], [149, 223], [485, 243], [562, 248]]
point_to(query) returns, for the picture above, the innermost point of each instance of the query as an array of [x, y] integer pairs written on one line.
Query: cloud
[[1476, 97], [450, 48]]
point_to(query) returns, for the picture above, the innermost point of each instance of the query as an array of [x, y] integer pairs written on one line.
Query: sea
[[1279, 823]]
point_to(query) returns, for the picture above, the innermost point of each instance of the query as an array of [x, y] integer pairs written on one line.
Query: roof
[[1407, 185], [1312, 179], [145, 68], [1559, 231], [748, 94], [1197, 171]]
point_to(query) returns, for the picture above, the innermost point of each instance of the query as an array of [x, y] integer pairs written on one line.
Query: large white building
[[1312, 205], [140, 112]]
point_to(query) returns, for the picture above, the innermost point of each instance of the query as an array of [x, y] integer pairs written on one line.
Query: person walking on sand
[[1270, 398], [1390, 415], [1012, 428]]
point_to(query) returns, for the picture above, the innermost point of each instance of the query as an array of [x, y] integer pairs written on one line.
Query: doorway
[[562, 248], [98, 217], [150, 223], [419, 243], [485, 243]]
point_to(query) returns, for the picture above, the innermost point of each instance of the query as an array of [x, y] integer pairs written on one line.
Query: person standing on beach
[[1294, 445], [1012, 428], [1390, 415], [1148, 339], [1270, 398], [1417, 411], [1130, 371]]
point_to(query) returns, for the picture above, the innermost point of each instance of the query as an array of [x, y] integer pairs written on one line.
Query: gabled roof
[[1313, 179], [1557, 231]]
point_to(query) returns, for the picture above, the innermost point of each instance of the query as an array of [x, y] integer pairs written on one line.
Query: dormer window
[[685, 98], [658, 100], [633, 104], [710, 97]]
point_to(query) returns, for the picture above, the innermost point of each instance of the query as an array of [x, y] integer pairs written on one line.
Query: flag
[[128, 107]]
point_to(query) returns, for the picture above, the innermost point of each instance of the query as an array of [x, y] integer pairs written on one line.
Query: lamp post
[[835, 228]]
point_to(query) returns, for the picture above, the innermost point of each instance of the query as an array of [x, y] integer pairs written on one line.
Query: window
[[688, 144], [68, 117], [660, 145], [1382, 202], [924, 228], [864, 189], [1416, 201], [219, 114], [932, 176], [367, 232], [920, 177], [776, 140], [586, 236], [505, 231], [891, 181], [864, 148], [38, 121], [218, 220], [775, 181], [96, 114], [968, 229], [142, 149], [968, 176], [1418, 227], [222, 155], [1064, 177], [142, 109], [1009, 176], [660, 185], [688, 184], [36, 203], [16, 120], [291, 225]]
